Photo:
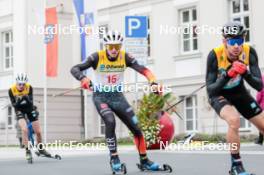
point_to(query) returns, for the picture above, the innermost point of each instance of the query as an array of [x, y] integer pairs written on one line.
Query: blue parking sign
[[136, 26]]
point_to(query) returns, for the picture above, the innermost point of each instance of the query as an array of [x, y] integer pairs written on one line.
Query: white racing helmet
[[113, 37], [21, 78]]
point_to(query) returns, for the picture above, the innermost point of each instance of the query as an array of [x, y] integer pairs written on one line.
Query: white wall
[[19, 35], [5, 7], [257, 27]]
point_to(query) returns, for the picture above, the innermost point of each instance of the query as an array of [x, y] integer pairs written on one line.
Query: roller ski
[[44, 153], [116, 166], [147, 165], [29, 157], [238, 170]]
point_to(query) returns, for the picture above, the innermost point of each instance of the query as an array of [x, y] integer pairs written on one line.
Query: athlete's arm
[[132, 62], [253, 76], [92, 61], [214, 83], [12, 98], [29, 97]]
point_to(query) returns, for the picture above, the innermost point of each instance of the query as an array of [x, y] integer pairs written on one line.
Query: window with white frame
[[239, 11], [189, 37], [101, 126], [190, 113], [244, 124], [9, 117], [102, 30], [7, 50]]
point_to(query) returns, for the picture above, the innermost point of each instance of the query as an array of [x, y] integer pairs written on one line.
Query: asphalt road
[[183, 163]]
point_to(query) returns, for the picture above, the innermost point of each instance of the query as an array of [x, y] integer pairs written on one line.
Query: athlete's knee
[[23, 126], [104, 110], [37, 132], [24, 130], [107, 114], [109, 120], [231, 116], [133, 125], [137, 132], [234, 123]]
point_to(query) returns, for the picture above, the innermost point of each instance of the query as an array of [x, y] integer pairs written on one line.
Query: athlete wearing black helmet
[[227, 67], [234, 29]]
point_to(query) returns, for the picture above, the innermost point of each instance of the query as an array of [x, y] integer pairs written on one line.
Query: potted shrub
[[156, 124]]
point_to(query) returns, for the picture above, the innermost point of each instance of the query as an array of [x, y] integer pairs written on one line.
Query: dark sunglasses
[[21, 84]]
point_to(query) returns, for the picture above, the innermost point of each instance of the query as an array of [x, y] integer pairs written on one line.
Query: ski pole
[[65, 92], [183, 99], [173, 110]]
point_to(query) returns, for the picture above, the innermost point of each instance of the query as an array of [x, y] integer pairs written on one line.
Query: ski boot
[[29, 157], [258, 142], [117, 166], [238, 170], [147, 165], [44, 153]]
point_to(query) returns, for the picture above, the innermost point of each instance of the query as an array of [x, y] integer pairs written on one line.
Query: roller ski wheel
[[29, 157], [56, 156], [244, 173], [155, 167]]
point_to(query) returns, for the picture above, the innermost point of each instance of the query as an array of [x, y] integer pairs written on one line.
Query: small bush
[[149, 109]]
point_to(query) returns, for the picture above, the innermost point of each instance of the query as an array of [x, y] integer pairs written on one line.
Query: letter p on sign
[[136, 26]]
